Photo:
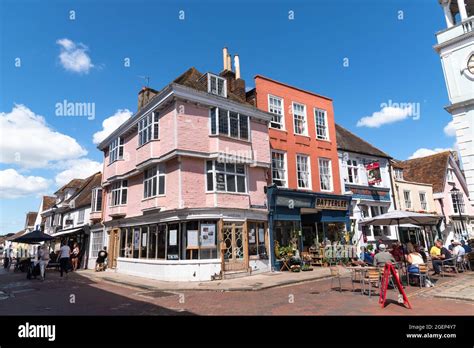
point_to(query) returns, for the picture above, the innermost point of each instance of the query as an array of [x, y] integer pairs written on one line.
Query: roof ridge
[[362, 140]]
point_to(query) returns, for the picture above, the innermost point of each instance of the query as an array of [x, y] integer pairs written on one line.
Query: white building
[[456, 49], [366, 175]]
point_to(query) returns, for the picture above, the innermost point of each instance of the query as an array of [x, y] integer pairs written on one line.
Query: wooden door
[[234, 253], [113, 248]]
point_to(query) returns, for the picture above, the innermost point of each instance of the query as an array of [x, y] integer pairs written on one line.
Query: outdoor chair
[[449, 264], [467, 262], [335, 274], [372, 277], [422, 274]]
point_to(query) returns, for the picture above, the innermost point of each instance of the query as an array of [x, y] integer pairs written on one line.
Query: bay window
[[154, 181], [226, 177], [148, 128], [118, 193], [116, 150], [96, 203], [229, 123]]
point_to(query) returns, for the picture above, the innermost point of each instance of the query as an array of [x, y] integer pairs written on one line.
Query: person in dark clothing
[[438, 260], [100, 262], [467, 247], [64, 255], [451, 246]]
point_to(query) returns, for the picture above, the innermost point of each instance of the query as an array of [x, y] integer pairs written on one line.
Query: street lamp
[[455, 192]]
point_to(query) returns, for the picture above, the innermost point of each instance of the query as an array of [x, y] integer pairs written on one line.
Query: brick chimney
[[145, 95]]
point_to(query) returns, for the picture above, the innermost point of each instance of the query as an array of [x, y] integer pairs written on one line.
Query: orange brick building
[[304, 194]]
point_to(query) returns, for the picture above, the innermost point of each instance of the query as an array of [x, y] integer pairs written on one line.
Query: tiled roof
[[74, 183], [84, 195], [429, 169], [350, 142], [194, 79], [16, 235], [48, 202], [30, 218]]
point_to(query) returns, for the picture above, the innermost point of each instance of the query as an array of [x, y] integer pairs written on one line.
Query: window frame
[[350, 171], [209, 85], [305, 118], [153, 181], [95, 208], [81, 216], [398, 173], [116, 150], [326, 126], [115, 187], [285, 166], [424, 201], [282, 115], [459, 202], [330, 173], [308, 164], [148, 128], [407, 201], [450, 175], [213, 171], [214, 125]]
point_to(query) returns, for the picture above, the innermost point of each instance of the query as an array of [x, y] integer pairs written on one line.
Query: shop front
[[79, 235], [190, 246], [306, 220]]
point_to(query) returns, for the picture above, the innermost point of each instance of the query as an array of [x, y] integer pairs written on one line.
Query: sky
[[375, 59]]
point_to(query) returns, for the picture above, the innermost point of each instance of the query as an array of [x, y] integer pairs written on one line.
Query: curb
[[152, 288]]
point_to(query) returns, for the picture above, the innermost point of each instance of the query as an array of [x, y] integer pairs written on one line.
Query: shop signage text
[[331, 204]]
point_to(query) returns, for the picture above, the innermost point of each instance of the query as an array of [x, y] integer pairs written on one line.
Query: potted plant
[[306, 268]]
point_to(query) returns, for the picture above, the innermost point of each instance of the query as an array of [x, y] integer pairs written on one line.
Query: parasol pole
[[403, 248]]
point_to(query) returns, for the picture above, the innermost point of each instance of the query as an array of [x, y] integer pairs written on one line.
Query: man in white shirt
[[64, 254], [458, 251]]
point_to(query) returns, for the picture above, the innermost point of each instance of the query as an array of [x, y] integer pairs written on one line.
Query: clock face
[[470, 64]]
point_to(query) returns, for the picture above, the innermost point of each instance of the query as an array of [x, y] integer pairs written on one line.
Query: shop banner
[[373, 173]]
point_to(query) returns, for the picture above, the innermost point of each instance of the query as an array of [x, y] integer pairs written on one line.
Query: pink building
[[184, 181], [450, 192]]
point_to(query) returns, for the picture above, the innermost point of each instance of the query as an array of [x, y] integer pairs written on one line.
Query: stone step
[[236, 274]]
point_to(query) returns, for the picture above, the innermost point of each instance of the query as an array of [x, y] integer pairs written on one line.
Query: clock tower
[[456, 49]]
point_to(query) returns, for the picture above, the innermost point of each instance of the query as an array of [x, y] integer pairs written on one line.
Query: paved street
[[81, 295]]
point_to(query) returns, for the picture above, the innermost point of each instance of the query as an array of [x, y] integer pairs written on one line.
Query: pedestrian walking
[[43, 260], [64, 255]]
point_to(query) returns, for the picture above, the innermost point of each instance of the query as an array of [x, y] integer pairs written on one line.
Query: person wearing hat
[[383, 256]]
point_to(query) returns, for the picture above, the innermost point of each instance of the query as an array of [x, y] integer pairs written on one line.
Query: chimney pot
[[237, 66], [229, 62], [225, 53]]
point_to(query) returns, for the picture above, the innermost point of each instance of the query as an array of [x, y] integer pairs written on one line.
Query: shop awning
[[66, 232]]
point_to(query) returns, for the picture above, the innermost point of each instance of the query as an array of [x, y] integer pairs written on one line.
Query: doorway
[[113, 248], [234, 253]]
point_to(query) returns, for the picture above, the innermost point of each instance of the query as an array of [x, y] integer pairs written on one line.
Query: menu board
[[192, 240], [173, 237], [208, 235]]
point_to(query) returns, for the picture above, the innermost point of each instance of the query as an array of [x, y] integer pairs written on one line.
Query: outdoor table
[[358, 271]]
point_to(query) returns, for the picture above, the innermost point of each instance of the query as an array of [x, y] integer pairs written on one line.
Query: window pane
[[234, 124], [230, 167], [209, 165], [231, 183], [210, 182], [213, 120], [223, 122], [152, 242], [241, 183], [161, 241], [144, 243], [161, 190], [220, 182], [240, 168], [244, 127]]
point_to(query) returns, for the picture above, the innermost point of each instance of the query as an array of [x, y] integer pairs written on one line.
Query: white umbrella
[[400, 217]]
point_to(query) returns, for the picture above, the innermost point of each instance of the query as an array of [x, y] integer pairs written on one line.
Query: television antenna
[[147, 79]]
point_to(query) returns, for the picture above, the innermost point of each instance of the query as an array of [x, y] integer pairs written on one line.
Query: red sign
[[373, 173]]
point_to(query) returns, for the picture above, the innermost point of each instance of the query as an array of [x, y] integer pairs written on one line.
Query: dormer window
[[216, 85], [116, 150], [450, 175]]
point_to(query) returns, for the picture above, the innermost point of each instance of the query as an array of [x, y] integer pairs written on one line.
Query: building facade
[[456, 49], [366, 176], [184, 180], [416, 197], [450, 192], [306, 207]]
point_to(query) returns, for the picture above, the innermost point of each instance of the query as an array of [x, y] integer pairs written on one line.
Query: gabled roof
[[429, 169], [74, 183], [48, 202], [348, 141], [83, 196]]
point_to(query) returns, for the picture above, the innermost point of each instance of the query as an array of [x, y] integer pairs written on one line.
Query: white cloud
[[449, 129], [423, 152], [77, 169], [386, 115], [110, 124], [74, 57], [26, 140], [15, 185]]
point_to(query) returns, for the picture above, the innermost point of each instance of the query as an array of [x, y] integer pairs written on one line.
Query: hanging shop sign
[[331, 204], [208, 235], [373, 173]]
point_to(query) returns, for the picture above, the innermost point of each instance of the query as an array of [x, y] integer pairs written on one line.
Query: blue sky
[[390, 58]]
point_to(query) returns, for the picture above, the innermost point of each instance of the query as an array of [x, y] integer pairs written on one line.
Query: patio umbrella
[[33, 237], [400, 217]]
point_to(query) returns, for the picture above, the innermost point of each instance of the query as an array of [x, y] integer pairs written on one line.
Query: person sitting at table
[[444, 255], [383, 256], [365, 256], [421, 250], [467, 247], [458, 251], [414, 260], [397, 252]]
